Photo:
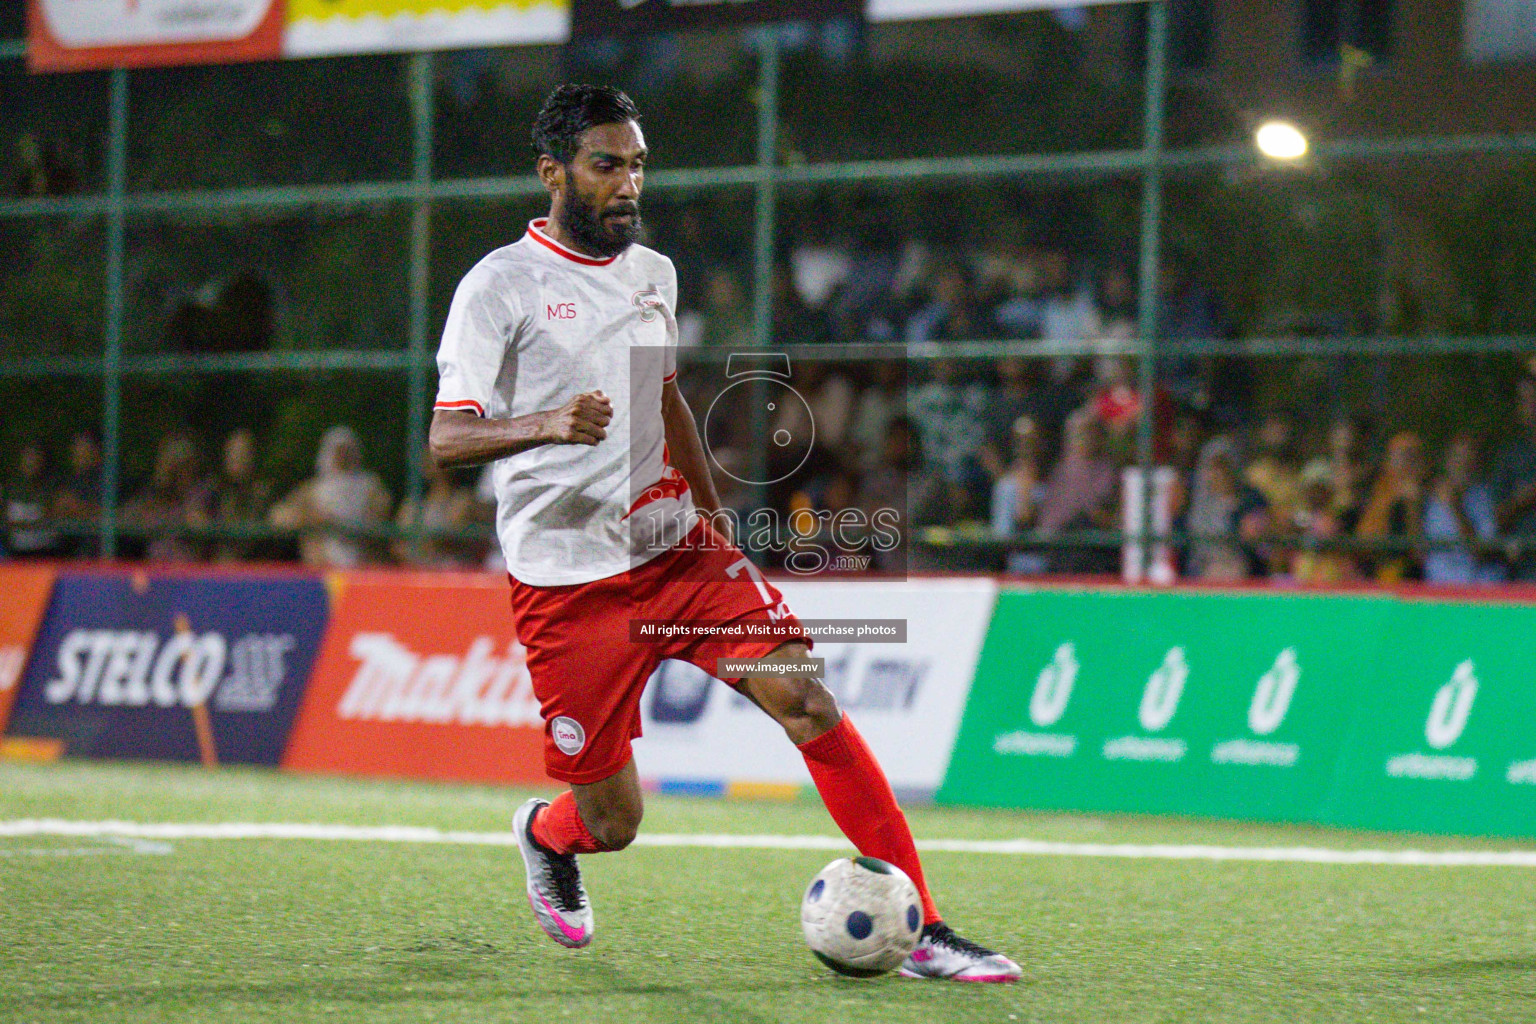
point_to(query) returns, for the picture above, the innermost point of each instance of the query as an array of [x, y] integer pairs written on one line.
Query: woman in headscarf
[[333, 507], [1225, 514]]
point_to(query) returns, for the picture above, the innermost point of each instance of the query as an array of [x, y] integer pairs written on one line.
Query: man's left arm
[[685, 448]]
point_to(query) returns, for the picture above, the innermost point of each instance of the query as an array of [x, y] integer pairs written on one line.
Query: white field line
[[1014, 847]]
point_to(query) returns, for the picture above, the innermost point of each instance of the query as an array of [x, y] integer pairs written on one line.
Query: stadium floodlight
[[1280, 140]]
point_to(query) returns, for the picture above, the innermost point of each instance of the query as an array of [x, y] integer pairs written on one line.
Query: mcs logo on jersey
[[421, 676], [178, 668], [560, 311]]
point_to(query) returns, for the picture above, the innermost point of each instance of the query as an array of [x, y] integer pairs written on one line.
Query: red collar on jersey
[[536, 232]]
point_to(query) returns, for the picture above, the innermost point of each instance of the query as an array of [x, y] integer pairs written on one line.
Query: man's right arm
[[465, 439]]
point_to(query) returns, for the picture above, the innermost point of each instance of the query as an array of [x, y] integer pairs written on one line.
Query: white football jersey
[[531, 326]]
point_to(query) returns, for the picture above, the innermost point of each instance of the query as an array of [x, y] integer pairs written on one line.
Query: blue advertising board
[[174, 667]]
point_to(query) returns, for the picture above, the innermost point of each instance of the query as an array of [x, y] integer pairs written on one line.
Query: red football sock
[[559, 827], [857, 795]]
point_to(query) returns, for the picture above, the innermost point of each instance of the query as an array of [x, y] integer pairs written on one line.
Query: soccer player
[[558, 363]]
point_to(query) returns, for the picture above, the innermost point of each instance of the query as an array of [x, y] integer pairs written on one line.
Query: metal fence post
[[767, 197], [417, 399], [1151, 235], [112, 342], [762, 241]]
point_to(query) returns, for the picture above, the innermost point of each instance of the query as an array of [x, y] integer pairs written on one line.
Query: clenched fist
[[579, 421]]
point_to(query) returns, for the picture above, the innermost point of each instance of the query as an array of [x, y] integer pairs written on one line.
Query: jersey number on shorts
[[736, 568]]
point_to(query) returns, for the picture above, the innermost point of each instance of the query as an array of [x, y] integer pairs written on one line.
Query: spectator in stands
[[239, 499], [1017, 494], [1189, 311], [1068, 312], [28, 498], [949, 413], [1460, 509], [330, 509], [829, 404], [900, 482], [174, 499], [1348, 472], [1273, 471], [861, 308], [78, 498], [1514, 484], [727, 321], [881, 401], [1395, 511], [1012, 395], [954, 312], [1015, 274], [1116, 403], [1116, 301], [445, 507], [1225, 517], [1318, 526], [794, 322], [1080, 493], [1020, 488]]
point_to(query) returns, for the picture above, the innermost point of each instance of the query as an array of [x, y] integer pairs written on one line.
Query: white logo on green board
[[1047, 703], [1453, 704], [1159, 703], [1447, 720], [1266, 713], [1053, 687], [1160, 700], [1272, 697]]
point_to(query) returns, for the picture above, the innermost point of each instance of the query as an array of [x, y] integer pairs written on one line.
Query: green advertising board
[[1445, 737], [1287, 707]]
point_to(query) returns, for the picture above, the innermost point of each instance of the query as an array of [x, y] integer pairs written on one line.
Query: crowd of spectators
[[339, 516], [1027, 458], [1022, 458]]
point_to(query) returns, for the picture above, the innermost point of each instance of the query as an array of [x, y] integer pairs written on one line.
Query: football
[[862, 916]]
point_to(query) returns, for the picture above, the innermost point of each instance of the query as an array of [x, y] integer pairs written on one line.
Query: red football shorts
[[589, 672]]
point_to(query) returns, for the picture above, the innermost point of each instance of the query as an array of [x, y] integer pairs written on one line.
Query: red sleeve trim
[[463, 405], [669, 378]]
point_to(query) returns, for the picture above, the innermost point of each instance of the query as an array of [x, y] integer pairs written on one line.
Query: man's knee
[[615, 828], [804, 707]]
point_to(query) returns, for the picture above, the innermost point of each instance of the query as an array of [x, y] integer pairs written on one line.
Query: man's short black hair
[[570, 110]]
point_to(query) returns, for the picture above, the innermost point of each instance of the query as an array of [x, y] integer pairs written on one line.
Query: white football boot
[[940, 953], [555, 892]]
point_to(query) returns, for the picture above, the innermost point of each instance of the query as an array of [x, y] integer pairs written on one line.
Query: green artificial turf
[[268, 931]]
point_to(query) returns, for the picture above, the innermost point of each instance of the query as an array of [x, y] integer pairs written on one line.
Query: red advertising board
[[420, 676], [77, 35], [26, 589]]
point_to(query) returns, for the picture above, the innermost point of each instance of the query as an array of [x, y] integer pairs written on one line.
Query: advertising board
[[421, 676], [906, 698], [26, 589], [178, 667]]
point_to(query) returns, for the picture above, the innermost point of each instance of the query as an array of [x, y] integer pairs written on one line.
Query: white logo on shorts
[[569, 736]]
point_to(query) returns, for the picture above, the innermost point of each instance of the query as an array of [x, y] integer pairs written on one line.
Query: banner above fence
[[607, 17], [318, 28], [78, 35]]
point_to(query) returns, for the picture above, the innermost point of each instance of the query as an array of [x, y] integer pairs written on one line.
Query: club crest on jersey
[[648, 302], [568, 735]]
